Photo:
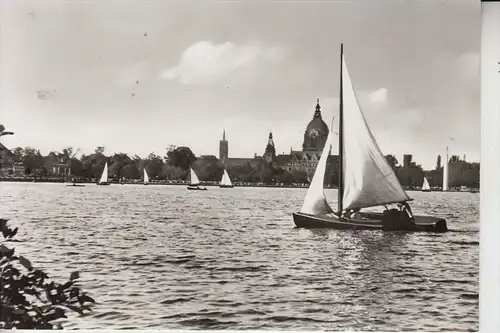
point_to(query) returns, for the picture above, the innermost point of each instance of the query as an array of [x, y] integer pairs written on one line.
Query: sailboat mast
[[341, 135]]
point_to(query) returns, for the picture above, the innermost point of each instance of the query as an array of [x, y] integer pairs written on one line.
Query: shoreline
[[205, 184], [151, 183]]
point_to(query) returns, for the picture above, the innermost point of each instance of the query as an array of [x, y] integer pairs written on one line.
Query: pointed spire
[[317, 112], [270, 142], [224, 134], [270, 148]]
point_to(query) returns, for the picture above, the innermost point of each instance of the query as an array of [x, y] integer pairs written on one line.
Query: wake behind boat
[[226, 181], [194, 184], [104, 176], [365, 179]]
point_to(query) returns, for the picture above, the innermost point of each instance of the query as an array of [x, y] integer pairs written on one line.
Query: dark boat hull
[[373, 221], [196, 188], [76, 185], [426, 190], [102, 184], [226, 186]]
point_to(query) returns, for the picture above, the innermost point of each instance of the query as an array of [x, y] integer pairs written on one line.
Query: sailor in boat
[[405, 207], [353, 214], [396, 219], [356, 214]]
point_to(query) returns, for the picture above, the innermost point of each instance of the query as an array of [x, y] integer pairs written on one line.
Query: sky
[[137, 76]]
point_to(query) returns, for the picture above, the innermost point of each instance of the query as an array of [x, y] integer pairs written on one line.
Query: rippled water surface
[[165, 257]]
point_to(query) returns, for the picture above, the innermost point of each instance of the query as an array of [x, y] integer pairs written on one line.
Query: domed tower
[[316, 133]]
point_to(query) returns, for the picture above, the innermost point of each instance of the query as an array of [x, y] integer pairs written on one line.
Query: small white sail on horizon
[[193, 178], [445, 170], [146, 177], [226, 181], [104, 176], [369, 180], [425, 185]]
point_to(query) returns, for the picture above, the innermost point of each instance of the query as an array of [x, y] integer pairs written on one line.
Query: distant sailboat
[[194, 183], [226, 181], [104, 176], [146, 177], [445, 171], [365, 179], [425, 186], [73, 181]]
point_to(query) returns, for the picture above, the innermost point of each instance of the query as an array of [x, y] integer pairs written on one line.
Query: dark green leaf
[[84, 298], [37, 309], [25, 262], [67, 285], [74, 276], [86, 307], [74, 308]]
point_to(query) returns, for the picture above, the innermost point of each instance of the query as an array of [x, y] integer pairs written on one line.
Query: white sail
[[104, 176], [315, 202], [445, 171], [368, 178], [194, 178], [226, 181], [146, 177], [426, 186]]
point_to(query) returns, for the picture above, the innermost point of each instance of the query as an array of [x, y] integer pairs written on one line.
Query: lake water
[[164, 257]]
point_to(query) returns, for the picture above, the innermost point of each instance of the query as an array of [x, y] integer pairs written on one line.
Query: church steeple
[[317, 113], [270, 141], [223, 147], [270, 151]]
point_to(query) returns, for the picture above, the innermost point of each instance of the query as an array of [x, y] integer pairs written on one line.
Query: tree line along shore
[[174, 167]]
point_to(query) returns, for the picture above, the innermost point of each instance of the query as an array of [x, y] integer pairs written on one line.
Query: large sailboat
[[104, 176], [226, 181], [146, 177], [194, 183], [425, 186], [365, 179]]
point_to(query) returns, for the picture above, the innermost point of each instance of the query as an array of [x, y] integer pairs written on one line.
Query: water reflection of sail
[[378, 265], [363, 266]]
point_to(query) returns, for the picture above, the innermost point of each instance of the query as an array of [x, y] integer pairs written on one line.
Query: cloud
[[206, 62], [378, 96], [44, 94]]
